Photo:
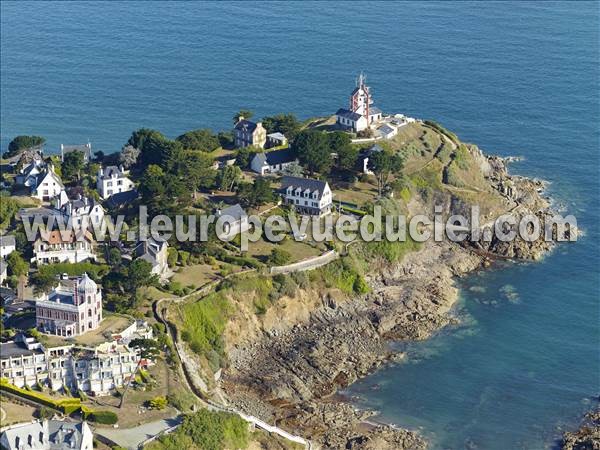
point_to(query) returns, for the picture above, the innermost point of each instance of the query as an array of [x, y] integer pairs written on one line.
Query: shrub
[[279, 257], [101, 417], [159, 403], [209, 431]]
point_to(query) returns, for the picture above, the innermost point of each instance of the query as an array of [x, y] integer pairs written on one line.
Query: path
[[195, 383], [132, 438]]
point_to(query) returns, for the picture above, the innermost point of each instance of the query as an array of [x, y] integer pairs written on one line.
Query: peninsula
[[251, 344]]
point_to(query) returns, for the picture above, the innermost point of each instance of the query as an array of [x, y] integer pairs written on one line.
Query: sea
[[517, 78]]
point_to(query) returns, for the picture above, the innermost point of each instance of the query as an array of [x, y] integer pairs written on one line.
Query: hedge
[[67, 405], [358, 212]]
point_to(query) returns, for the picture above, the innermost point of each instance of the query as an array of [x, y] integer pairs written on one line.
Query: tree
[[172, 255], [146, 349], [153, 146], [129, 156], [384, 164], [152, 182], [202, 140], [198, 171], [243, 157], [288, 124], [340, 143], [140, 274], [225, 139], [99, 156], [72, 165], [228, 177], [279, 257], [242, 113], [22, 143], [114, 257], [257, 193], [17, 266], [294, 170], [312, 148], [8, 209]]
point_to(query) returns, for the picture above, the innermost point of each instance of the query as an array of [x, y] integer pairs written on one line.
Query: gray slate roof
[[374, 110], [275, 157], [7, 240], [109, 171], [235, 211], [304, 183], [347, 114], [246, 126]]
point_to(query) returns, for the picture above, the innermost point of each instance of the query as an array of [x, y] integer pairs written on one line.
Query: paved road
[[130, 438]]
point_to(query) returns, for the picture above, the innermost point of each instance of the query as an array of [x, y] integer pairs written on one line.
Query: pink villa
[[71, 309]]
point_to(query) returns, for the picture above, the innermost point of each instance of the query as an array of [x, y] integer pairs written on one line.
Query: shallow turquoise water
[[516, 78]]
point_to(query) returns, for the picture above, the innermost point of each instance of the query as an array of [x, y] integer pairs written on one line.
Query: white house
[[276, 139], [82, 210], [113, 180], [234, 220], [46, 185], [155, 252], [272, 162], [48, 435], [309, 196], [96, 370], [8, 244], [86, 149], [54, 246], [352, 120], [27, 175], [71, 309]]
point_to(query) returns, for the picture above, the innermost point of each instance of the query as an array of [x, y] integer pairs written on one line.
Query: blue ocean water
[[518, 78]]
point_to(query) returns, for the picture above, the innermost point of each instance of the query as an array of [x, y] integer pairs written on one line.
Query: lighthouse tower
[[360, 99]]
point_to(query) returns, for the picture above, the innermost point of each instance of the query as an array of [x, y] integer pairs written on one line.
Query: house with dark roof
[[86, 149], [8, 244], [247, 133], [273, 162], [309, 196], [48, 435], [113, 180], [231, 221], [48, 185], [155, 252]]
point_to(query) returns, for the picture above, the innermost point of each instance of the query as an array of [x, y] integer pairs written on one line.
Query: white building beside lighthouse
[[361, 113]]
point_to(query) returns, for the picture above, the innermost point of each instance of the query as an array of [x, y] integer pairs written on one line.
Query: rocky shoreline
[[290, 377], [587, 437]]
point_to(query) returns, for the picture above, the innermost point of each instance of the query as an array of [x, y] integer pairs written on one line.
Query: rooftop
[[235, 211], [246, 125], [276, 157], [304, 183], [347, 114]]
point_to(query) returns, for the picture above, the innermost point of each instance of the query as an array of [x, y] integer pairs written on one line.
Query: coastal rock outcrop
[[588, 435]]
